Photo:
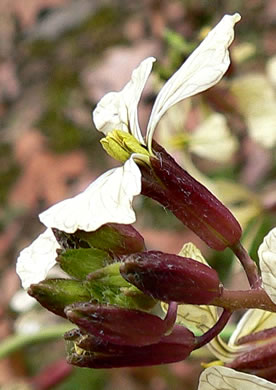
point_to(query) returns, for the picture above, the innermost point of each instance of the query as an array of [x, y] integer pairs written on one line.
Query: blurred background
[[57, 59]]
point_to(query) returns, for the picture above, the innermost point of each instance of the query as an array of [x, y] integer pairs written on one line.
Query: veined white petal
[[267, 257], [35, 261], [107, 199], [118, 110], [254, 320], [218, 378], [203, 69]]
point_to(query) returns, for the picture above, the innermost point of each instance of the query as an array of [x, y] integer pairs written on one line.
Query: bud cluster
[[112, 293], [115, 286]]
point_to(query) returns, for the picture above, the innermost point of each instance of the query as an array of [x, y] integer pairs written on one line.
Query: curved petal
[[267, 257], [203, 69], [107, 199], [35, 261], [254, 320], [118, 110], [218, 378]]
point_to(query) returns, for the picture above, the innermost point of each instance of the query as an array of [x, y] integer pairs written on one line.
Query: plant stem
[[244, 299], [249, 266], [214, 331], [18, 341]]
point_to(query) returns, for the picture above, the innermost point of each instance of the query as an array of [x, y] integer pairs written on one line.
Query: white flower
[[218, 378], [107, 199], [203, 69]]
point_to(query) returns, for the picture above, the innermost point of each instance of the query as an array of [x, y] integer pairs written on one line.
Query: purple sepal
[[175, 347], [121, 326], [191, 202], [169, 277], [256, 358]]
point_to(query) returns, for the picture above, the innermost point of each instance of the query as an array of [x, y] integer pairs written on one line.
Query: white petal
[[118, 110], [107, 199], [267, 257], [203, 69], [218, 378], [213, 140], [35, 261]]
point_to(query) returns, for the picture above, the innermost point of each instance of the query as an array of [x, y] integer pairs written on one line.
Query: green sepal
[[110, 276], [113, 238], [79, 263], [109, 287], [55, 294]]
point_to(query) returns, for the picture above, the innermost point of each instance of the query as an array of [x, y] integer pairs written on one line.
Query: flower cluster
[[127, 302]]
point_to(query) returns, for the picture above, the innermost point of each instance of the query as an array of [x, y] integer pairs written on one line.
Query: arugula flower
[[203, 69], [109, 198]]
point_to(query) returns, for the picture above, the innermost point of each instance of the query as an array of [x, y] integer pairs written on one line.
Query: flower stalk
[[248, 264]]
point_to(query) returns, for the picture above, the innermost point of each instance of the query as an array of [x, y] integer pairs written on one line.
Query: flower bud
[[56, 294], [256, 358], [169, 277], [120, 326], [190, 201], [117, 239], [100, 354], [261, 350]]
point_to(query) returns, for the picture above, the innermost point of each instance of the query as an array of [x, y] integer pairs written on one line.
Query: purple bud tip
[[190, 201], [101, 354], [256, 358], [169, 277], [119, 325]]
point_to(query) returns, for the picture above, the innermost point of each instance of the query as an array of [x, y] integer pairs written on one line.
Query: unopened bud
[[256, 358], [117, 239], [261, 352], [56, 294], [120, 326], [191, 202], [97, 353], [169, 277]]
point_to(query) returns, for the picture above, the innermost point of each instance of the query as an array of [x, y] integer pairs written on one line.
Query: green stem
[[18, 341]]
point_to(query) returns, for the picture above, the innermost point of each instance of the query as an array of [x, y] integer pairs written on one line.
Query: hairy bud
[[169, 277]]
